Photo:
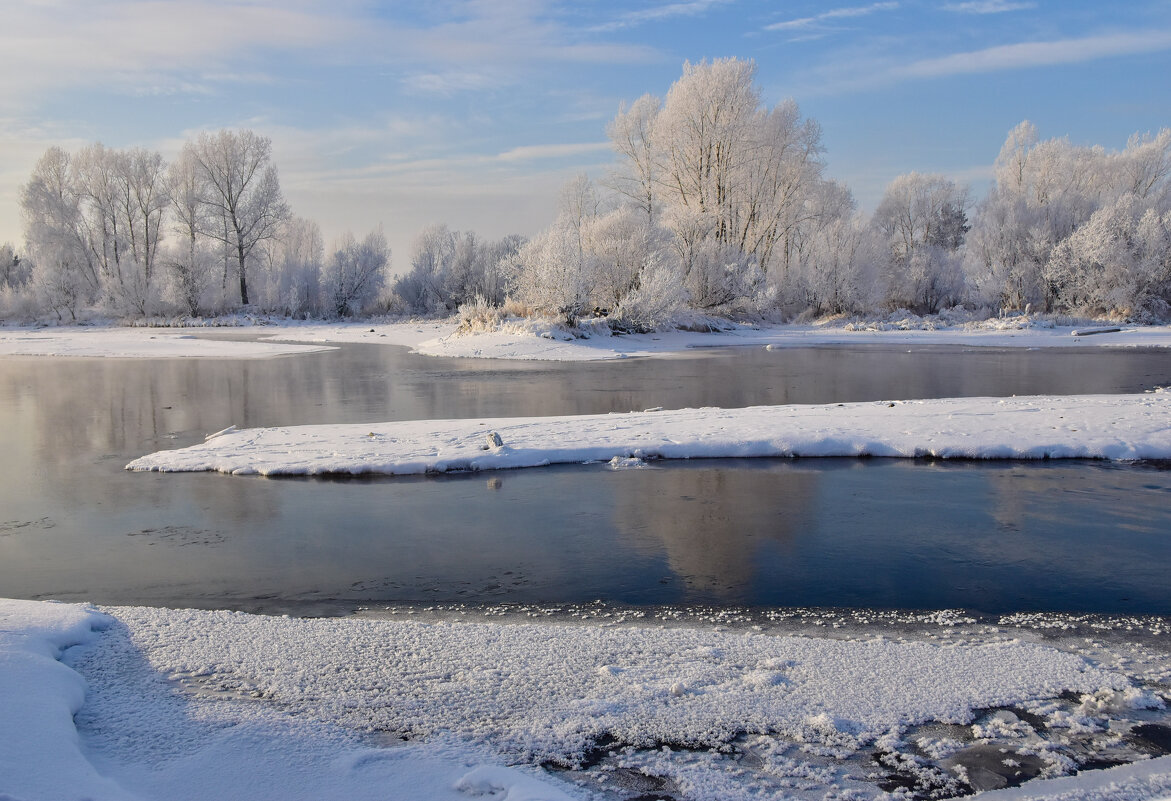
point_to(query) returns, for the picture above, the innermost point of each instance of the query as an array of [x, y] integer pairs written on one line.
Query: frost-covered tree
[[65, 277], [1044, 192], [100, 214], [728, 177], [190, 261], [552, 274], [296, 259], [423, 287], [1118, 262], [142, 200], [923, 221], [1145, 169], [356, 272], [632, 134], [13, 268], [242, 191], [452, 268]]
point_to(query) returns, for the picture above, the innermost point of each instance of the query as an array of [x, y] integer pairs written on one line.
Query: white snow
[[1116, 427], [439, 338], [136, 343], [406, 334], [520, 345], [1139, 781], [142, 737], [186, 704]]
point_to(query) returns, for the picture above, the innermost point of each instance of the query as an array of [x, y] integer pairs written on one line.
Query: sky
[[473, 112]]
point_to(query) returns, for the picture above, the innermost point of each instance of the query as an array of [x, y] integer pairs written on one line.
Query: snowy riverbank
[[176, 704], [139, 343], [544, 343], [549, 343], [1117, 427], [503, 345]]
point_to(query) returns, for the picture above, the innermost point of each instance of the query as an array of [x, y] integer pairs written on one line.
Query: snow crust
[[136, 343], [188, 704], [1115, 427], [143, 737]]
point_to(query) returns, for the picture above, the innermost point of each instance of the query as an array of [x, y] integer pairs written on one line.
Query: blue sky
[[473, 112]]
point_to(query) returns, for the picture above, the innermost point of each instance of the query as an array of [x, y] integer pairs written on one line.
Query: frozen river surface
[[1002, 537]]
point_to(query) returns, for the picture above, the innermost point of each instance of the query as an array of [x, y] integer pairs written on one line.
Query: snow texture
[[136, 343], [513, 345], [1115, 427], [141, 737], [201, 704], [1140, 781], [440, 339]]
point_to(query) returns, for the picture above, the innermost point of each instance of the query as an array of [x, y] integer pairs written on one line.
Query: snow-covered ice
[[137, 343], [1116, 427], [182, 704]]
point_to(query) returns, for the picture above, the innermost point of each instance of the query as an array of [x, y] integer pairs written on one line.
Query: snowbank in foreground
[[143, 739], [136, 343], [1118, 427], [504, 345], [196, 704]]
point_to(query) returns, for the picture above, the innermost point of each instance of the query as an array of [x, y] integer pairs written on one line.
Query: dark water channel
[[995, 537]]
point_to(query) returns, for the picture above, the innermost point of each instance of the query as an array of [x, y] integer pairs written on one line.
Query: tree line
[[121, 232], [718, 205]]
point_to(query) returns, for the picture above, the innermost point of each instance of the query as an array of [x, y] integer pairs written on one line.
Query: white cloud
[[42, 45], [446, 84], [833, 14], [694, 8], [191, 45], [535, 152], [1038, 54], [988, 6]]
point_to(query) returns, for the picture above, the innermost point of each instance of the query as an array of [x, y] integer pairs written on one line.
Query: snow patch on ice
[[1114, 427]]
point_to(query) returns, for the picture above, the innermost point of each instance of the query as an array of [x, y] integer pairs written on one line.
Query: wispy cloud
[[161, 46], [448, 83], [535, 152], [819, 20], [1038, 54], [988, 6], [167, 47], [694, 8]]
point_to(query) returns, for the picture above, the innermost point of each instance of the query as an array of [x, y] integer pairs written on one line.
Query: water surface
[[1070, 536]]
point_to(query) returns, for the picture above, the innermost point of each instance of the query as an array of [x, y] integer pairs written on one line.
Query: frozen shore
[[1116, 427], [548, 343], [151, 703], [993, 334], [542, 343], [138, 343]]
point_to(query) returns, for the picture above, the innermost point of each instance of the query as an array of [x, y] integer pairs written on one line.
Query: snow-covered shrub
[[657, 301]]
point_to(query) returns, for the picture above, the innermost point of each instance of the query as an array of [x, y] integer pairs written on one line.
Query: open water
[[990, 537]]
